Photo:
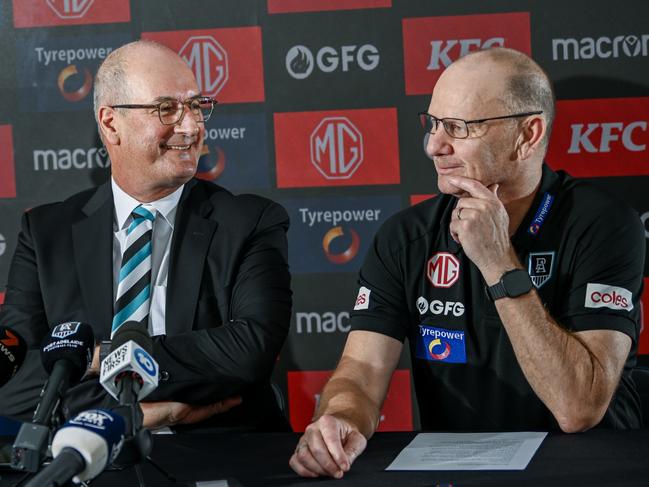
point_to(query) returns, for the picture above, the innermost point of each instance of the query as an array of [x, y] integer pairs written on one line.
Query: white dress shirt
[[163, 228]]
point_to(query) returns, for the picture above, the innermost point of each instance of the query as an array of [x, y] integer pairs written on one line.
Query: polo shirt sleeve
[[381, 303], [607, 272]]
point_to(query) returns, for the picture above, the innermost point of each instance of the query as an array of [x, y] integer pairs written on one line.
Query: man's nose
[[439, 143], [189, 123]]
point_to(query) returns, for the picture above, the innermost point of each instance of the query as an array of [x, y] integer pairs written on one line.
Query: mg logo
[[70, 9], [443, 269], [440, 55], [336, 148], [209, 61]]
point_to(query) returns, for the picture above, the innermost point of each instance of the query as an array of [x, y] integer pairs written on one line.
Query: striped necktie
[[133, 298]]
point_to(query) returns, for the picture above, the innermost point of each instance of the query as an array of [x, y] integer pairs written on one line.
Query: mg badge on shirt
[[539, 267]]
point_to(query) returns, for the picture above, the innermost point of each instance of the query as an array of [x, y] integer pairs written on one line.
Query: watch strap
[[497, 291]]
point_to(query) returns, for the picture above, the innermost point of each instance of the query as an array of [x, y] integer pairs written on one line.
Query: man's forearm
[[559, 366]]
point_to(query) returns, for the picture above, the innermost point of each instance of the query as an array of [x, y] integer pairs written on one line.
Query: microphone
[[129, 372], [12, 354], [66, 354], [82, 448]]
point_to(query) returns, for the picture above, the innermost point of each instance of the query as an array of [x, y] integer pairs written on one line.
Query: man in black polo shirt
[[518, 288]]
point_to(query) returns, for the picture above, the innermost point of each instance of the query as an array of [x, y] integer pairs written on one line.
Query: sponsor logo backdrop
[[317, 110]]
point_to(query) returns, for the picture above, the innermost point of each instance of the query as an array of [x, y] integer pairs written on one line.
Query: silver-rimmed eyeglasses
[[458, 128]]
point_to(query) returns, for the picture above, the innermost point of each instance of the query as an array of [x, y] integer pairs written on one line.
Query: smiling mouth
[[178, 147]]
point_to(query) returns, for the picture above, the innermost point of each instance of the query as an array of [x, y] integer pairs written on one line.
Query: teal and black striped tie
[[133, 299]]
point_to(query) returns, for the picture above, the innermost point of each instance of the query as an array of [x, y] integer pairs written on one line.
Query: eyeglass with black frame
[[458, 128], [171, 112]]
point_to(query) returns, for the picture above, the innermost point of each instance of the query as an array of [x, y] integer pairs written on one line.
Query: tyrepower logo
[[286, 6], [332, 148], [333, 234], [235, 151], [601, 137], [301, 61], [443, 269], [43, 13], [227, 63], [622, 46], [304, 396], [605, 296], [57, 72], [431, 44], [7, 166]]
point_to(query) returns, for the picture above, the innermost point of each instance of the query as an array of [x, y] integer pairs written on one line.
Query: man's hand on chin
[[169, 413]]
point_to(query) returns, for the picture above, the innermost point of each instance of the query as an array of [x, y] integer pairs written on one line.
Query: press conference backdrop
[[317, 110]]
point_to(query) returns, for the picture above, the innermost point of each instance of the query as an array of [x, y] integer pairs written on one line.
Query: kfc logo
[[443, 269], [69, 9], [227, 63], [604, 296], [327, 148], [431, 44], [336, 148], [286, 6], [208, 60], [602, 137], [42, 13], [7, 167]]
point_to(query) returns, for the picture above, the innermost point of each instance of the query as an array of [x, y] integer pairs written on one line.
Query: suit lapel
[[191, 240], [92, 239]]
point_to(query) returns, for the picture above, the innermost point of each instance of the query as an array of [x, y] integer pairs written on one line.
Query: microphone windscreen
[[132, 330], [12, 353], [73, 341], [97, 434]]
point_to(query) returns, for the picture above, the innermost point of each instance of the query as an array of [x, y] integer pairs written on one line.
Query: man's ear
[[531, 136], [107, 125]]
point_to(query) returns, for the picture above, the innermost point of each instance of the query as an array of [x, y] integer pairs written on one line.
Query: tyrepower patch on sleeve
[[605, 296], [363, 299], [441, 345]]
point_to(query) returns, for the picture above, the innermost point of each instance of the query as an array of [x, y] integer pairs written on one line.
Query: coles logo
[[443, 269], [605, 296], [363, 298], [601, 137], [304, 395], [7, 167], [431, 44], [286, 6], [41, 13], [227, 63], [327, 148]]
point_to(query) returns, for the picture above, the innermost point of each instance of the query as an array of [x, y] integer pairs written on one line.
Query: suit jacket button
[[164, 375]]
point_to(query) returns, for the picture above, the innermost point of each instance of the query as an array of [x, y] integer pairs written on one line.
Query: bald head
[[518, 81], [112, 79]]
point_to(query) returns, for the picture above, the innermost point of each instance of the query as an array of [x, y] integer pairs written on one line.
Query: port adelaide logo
[[301, 61]]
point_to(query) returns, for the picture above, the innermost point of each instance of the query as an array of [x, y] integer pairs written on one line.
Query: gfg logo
[[336, 148], [70, 9], [438, 307], [300, 61], [597, 137], [443, 269], [444, 52], [209, 61]]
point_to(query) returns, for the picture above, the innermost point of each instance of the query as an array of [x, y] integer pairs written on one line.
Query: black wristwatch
[[512, 284]]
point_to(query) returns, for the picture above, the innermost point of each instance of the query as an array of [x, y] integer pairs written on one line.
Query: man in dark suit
[[216, 293]]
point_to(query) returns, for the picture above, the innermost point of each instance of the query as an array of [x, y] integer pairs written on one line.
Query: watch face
[[517, 282]]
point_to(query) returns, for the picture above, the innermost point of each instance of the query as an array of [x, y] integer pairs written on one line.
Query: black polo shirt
[[584, 251]]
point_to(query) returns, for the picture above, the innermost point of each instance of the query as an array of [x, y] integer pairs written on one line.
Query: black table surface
[[594, 458]]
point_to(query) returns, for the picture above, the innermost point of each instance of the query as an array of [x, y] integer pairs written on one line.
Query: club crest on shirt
[[540, 267]]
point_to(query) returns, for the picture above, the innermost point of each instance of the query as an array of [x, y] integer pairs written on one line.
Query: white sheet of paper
[[469, 451]]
